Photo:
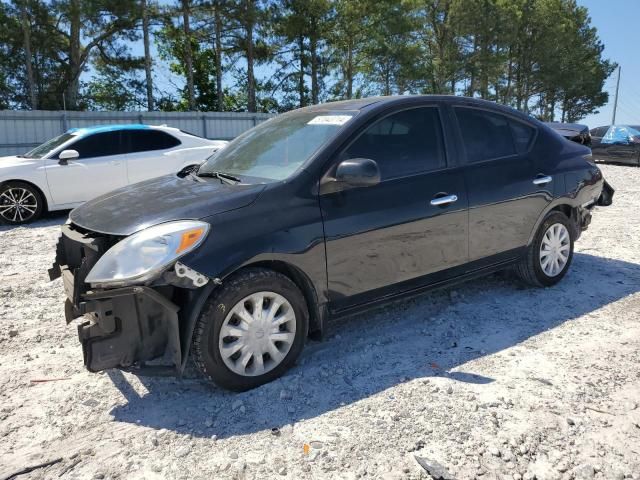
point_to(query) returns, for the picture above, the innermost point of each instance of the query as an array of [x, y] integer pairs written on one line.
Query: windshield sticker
[[330, 120]]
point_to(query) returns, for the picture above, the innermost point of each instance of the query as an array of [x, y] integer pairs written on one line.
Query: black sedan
[[616, 144], [314, 214]]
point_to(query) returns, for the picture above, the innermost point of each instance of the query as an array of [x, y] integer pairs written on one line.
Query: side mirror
[[358, 172], [66, 155]]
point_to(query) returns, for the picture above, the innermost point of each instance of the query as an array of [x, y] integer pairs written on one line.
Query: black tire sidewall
[[208, 354], [40, 202], [550, 220]]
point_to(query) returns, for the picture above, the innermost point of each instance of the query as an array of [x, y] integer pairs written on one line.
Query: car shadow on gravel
[[431, 336], [48, 219]]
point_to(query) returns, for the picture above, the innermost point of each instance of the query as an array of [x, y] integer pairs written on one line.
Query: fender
[[291, 242], [588, 190], [31, 172]]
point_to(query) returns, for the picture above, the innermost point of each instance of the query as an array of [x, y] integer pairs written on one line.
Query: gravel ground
[[488, 379]]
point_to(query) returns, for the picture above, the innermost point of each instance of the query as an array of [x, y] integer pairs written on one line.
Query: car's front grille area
[[77, 252]]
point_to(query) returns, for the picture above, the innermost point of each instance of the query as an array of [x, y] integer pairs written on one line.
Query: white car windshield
[[275, 149], [48, 146]]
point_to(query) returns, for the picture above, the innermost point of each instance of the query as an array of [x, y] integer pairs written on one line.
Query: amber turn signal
[[189, 238]]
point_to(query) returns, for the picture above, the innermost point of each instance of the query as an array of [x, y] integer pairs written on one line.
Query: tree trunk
[[26, 30], [188, 54], [518, 81], [484, 73], [387, 78], [251, 81], [472, 76], [507, 92], [218, 43], [147, 55], [301, 74], [73, 84], [313, 50], [350, 69]]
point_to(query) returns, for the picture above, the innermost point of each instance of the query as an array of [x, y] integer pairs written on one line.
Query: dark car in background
[[616, 144], [576, 132], [315, 214]]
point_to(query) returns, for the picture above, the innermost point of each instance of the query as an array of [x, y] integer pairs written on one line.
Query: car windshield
[[275, 149], [41, 150]]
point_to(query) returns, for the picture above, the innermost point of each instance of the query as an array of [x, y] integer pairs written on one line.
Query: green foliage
[[171, 40], [116, 86], [541, 56], [48, 45]]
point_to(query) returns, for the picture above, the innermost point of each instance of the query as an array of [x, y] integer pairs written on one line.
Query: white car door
[[99, 168], [150, 154]]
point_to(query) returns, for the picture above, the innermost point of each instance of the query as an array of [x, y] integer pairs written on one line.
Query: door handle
[[446, 200], [114, 162], [542, 180]]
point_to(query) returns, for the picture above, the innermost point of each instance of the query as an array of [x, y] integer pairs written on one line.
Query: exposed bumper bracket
[[129, 325]]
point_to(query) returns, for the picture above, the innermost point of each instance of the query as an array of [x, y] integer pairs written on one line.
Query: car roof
[[381, 101], [573, 126], [622, 125], [109, 128]]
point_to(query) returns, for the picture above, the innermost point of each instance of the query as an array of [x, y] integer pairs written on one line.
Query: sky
[[617, 24]]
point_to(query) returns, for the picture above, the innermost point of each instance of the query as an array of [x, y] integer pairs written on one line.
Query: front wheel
[[19, 203], [549, 256], [250, 331]]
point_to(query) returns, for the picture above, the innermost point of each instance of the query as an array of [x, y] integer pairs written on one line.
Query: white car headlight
[[146, 254]]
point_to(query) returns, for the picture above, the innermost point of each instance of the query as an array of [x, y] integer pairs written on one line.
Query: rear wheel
[[549, 256], [19, 203], [251, 331]]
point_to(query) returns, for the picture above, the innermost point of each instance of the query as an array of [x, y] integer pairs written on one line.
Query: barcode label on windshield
[[330, 120]]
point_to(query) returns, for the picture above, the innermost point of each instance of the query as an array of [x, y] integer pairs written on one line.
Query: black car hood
[[132, 208]]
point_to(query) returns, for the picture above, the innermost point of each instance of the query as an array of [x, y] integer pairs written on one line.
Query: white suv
[[84, 163]]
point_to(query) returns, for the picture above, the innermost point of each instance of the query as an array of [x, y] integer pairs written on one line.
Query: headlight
[[145, 254]]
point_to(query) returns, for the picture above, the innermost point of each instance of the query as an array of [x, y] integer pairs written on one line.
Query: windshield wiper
[[224, 177]]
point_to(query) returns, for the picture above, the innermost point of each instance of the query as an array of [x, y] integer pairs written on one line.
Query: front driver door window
[[98, 169], [387, 237]]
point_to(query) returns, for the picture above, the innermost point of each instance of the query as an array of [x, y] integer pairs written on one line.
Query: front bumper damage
[[124, 327]]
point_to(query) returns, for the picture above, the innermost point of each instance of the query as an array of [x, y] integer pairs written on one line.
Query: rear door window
[[98, 145], [404, 143], [488, 135], [523, 135], [148, 140]]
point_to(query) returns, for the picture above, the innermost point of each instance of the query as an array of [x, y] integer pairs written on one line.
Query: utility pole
[[615, 102]]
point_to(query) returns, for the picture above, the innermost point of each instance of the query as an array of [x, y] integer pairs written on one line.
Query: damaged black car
[[314, 214], [575, 132]]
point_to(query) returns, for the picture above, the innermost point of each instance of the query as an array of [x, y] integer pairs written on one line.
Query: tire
[[530, 269], [239, 294], [20, 203]]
